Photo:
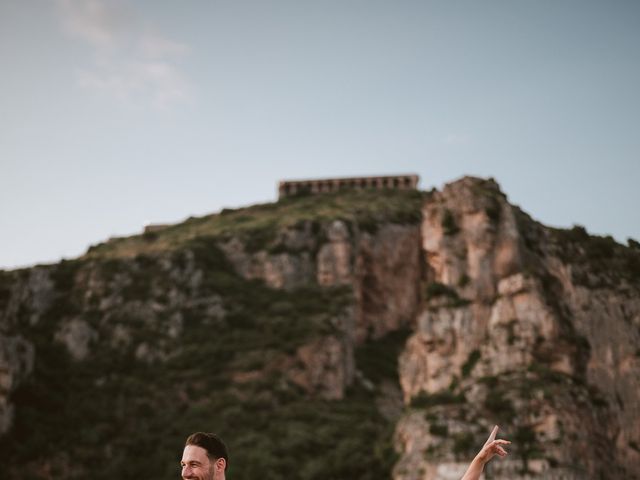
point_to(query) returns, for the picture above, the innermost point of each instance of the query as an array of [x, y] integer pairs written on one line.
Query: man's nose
[[186, 471]]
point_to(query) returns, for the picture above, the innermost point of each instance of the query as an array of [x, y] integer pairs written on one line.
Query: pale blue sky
[[116, 113]]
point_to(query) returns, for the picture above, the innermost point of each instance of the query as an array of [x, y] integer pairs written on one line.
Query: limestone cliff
[[533, 329], [317, 334]]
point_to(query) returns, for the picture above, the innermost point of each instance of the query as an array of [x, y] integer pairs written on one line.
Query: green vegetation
[[443, 397], [597, 397], [449, 223], [439, 430], [6, 280], [607, 260], [511, 331], [257, 226], [150, 236], [115, 415], [499, 405], [471, 362], [464, 445], [533, 233], [545, 374], [526, 446], [491, 197], [488, 188], [439, 290], [63, 304], [378, 360], [494, 210], [464, 280], [436, 289]]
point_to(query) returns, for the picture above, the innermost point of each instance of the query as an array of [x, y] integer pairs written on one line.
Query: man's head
[[205, 457]]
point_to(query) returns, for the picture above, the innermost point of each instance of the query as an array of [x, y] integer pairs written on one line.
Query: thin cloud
[[129, 62], [158, 81], [103, 25]]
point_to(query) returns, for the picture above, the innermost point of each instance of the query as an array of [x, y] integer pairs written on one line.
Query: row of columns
[[296, 187]]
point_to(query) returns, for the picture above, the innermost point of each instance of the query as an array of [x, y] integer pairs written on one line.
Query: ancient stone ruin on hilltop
[[288, 188]]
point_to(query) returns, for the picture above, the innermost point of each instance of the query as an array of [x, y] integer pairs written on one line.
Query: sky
[[119, 113]]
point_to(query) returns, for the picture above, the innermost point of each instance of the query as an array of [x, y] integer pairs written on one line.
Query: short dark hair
[[212, 443]]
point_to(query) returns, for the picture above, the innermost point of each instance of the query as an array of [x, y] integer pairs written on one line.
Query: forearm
[[475, 469], [491, 448]]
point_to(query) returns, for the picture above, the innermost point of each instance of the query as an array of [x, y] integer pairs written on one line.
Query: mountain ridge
[[384, 329]]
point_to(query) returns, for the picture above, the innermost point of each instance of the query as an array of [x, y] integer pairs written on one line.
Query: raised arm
[[490, 448]]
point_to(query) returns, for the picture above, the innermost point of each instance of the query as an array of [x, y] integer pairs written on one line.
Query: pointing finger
[[494, 432]]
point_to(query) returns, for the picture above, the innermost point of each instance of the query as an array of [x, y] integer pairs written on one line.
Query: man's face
[[196, 464]]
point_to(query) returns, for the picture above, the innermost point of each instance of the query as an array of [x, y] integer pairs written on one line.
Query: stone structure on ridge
[[288, 188]]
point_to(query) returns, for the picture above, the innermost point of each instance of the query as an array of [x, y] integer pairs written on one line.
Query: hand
[[492, 447]]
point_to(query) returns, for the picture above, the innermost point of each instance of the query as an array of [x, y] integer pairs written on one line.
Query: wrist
[[482, 458]]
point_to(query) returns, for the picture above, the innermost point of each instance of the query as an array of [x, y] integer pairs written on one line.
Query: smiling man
[[204, 457]]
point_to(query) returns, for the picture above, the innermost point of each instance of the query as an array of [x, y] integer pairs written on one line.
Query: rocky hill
[[358, 335]]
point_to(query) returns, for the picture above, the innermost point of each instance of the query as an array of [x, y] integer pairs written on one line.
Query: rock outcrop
[[508, 336]]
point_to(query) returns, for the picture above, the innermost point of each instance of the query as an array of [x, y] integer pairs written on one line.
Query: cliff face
[[532, 329], [320, 333]]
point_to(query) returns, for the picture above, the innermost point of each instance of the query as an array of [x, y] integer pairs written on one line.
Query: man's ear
[[221, 464]]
